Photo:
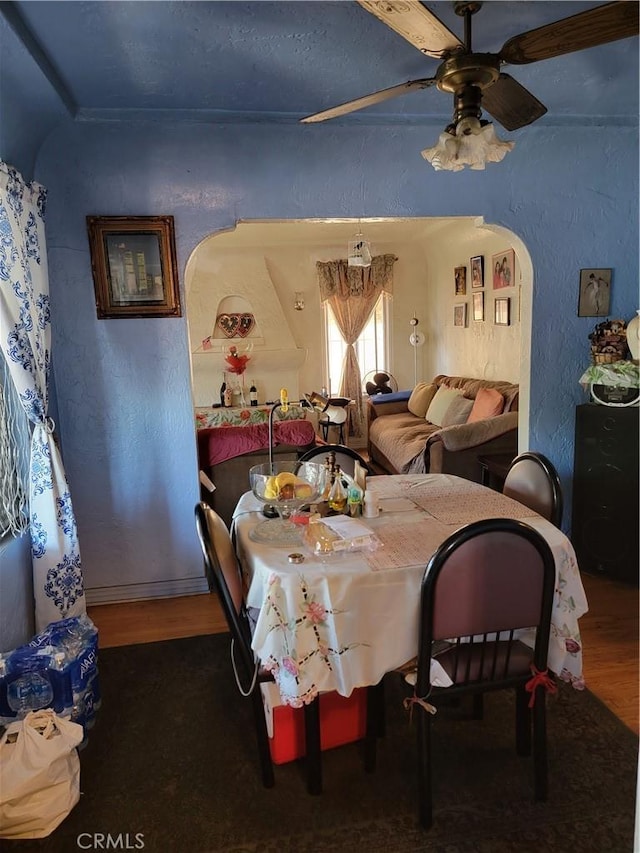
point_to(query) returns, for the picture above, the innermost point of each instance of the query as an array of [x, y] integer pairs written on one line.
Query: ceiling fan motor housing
[[466, 75], [467, 69]]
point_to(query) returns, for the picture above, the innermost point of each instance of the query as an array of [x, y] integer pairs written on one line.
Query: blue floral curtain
[[25, 340]]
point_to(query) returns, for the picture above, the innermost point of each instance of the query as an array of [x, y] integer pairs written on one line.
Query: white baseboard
[[143, 591]]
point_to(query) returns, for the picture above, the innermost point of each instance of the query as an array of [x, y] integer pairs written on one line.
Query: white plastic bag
[[39, 774]]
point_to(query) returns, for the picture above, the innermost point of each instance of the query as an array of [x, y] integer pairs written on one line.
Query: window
[[372, 347], [14, 458]]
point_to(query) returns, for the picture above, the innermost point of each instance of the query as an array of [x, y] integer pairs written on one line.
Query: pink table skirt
[[217, 444]]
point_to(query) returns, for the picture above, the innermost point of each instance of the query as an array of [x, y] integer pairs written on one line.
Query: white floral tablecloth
[[344, 623]]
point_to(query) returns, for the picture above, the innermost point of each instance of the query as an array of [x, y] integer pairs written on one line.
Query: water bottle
[[76, 639], [80, 643], [7, 714], [27, 679], [60, 676], [29, 692]]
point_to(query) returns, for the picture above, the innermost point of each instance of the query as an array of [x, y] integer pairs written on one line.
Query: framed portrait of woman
[[595, 293]]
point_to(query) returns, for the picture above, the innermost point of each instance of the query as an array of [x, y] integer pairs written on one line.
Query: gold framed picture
[[133, 260]]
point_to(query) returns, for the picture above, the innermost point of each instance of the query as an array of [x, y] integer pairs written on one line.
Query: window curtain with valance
[[352, 293], [25, 343]]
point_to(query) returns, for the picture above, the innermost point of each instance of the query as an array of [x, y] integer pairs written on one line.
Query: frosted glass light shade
[[453, 152]]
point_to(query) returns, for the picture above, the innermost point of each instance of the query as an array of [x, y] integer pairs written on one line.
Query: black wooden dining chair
[[224, 577], [346, 457], [489, 578], [533, 481]]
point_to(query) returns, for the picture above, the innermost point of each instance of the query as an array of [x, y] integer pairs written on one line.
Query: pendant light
[[359, 251]]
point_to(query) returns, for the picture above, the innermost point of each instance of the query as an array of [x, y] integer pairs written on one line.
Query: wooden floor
[[609, 634]]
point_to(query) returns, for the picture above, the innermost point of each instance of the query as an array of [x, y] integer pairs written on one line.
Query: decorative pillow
[[438, 407], [488, 404], [458, 412], [420, 398]]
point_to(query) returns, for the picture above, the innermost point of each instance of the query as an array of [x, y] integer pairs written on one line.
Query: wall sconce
[[298, 300]]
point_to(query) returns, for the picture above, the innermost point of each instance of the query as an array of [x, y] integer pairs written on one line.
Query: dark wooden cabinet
[[604, 528]]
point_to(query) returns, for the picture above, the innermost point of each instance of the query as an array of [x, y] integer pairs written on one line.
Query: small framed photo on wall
[[477, 272], [595, 293], [460, 314], [461, 281], [504, 269], [502, 312], [478, 306]]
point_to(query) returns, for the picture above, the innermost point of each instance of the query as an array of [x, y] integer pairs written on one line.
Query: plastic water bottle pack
[[57, 669]]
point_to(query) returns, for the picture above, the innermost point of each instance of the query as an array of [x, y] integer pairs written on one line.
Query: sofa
[[469, 418]]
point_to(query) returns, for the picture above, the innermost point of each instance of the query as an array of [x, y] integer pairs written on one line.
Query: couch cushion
[[458, 411], [443, 398], [379, 399], [488, 404], [400, 437], [420, 398]]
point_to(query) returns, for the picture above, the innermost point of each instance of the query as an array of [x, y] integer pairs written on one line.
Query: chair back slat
[[533, 481]]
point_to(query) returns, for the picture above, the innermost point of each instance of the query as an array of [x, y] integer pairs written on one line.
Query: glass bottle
[[338, 494], [253, 394], [223, 388]]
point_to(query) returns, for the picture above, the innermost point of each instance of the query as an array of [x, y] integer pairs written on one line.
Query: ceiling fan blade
[[416, 24], [603, 24], [368, 100], [511, 104]]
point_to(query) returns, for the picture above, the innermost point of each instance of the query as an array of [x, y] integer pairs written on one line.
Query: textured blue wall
[[125, 413]]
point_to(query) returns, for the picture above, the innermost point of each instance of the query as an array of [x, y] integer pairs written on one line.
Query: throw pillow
[[420, 398], [458, 411], [488, 404], [443, 398]]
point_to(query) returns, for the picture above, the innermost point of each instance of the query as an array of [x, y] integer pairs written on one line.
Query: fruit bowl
[[286, 486]]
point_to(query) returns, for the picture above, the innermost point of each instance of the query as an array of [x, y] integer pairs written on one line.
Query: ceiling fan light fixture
[[470, 143], [468, 125]]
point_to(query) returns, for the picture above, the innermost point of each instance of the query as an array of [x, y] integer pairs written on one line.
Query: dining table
[[342, 621]]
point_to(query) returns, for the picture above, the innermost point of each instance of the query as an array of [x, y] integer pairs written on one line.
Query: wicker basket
[[605, 357]]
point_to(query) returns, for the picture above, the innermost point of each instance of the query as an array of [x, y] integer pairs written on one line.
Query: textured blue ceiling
[[275, 61]]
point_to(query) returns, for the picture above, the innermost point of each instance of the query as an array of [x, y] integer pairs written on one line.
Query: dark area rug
[[172, 757]]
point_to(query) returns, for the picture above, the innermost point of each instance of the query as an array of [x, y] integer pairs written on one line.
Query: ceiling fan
[[475, 79]]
